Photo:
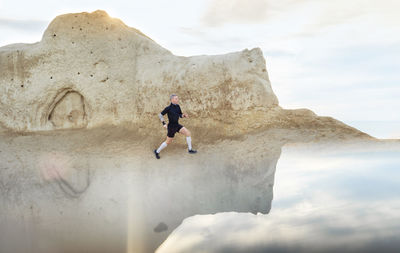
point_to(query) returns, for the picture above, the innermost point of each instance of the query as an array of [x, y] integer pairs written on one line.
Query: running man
[[174, 113]]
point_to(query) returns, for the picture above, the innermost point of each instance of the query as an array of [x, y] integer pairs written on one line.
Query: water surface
[[327, 198]]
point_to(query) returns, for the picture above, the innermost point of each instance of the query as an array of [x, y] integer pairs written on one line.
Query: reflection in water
[[325, 200], [59, 201], [58, 167], [127, 204], [207, 183]]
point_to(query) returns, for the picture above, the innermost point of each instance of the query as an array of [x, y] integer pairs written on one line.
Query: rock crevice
[[68, 110]]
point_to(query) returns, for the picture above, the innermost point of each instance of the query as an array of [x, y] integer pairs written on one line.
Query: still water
[[259, 196], [326, 198]]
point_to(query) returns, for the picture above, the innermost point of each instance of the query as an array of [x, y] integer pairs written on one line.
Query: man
[[174, 113]]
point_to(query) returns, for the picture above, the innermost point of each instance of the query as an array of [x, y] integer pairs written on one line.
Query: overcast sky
[[338, 58]]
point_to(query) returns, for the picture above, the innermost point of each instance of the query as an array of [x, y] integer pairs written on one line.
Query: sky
[[338, 58]]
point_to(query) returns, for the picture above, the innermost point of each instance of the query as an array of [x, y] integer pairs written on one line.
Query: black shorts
[[172, 129]]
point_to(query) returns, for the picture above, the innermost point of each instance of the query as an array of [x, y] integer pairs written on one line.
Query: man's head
[[174, 99]]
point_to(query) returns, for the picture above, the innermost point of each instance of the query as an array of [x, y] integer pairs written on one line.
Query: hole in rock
[[69, 111]]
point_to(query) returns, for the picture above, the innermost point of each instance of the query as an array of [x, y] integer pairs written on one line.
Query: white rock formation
[[89, 70]]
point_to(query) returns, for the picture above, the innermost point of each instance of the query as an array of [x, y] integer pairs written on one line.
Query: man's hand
[[165, 125], [185, 115]]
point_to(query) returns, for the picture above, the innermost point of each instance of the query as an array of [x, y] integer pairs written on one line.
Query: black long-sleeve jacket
[[174, 113]]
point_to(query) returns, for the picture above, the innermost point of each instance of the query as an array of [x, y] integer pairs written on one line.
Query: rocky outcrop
[[91, 70], [119, 75]]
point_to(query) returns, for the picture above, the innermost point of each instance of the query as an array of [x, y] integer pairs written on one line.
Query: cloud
[[326, 14], [24, 25], [310, 16], [221, 12], [235, 11], [21, 31]]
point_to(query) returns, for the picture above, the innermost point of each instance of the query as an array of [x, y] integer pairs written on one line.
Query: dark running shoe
[[157, 155], [192, 151]]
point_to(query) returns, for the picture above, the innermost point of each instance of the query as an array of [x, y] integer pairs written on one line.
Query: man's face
[[175, 100]]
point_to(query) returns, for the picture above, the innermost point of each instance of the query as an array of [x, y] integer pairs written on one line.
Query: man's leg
[[186, 132], [162, 146]]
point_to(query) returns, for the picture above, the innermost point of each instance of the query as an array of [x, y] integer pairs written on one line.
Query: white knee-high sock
[[189, 142], [162, 146]]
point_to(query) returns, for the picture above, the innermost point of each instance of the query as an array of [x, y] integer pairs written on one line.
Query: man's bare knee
[[185, 132], [169, 140]]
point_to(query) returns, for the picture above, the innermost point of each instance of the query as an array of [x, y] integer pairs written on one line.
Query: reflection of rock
[[132, 200], [79, 178], [60, 168]]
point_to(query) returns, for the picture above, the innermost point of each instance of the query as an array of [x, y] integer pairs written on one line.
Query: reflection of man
[[174, 113]]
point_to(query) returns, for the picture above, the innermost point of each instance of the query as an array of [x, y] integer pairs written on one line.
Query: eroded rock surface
[[91, 70]]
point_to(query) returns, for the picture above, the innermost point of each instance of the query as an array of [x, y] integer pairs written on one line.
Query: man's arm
[[182, 115], [180, 112], [161, 115], [161, 118]]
